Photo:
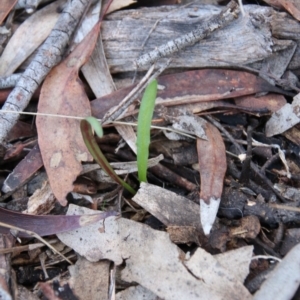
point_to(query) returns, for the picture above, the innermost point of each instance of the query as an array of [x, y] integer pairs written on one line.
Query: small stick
[[228, 14], [120, 108], [33, 234], [241, 150]]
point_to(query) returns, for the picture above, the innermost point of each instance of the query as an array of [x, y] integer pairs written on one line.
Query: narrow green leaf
[[95, 125], [143, 129], [91, 144]]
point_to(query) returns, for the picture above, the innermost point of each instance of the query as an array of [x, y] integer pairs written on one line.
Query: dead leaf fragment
[[60, 139], [90, 280], [285, 118], [212, 165], [284, 280], [204, 265], [118, 4], [151, 259]]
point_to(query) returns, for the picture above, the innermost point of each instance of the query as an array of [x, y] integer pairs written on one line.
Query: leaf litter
[[168, 262]]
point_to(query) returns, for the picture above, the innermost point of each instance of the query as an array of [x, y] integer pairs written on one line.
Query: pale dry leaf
[[137, 293], [285, 118], [212, 165], [89, 280], [168, 207], [42, 201], [203, 265], [284, 280], [118, 4], [151, 259], [28, 37], [95, 70], [236, 261]]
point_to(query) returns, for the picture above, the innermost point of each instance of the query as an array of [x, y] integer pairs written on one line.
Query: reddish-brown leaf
[[47, 225], [60, 140], [212, 163], [5, 8]]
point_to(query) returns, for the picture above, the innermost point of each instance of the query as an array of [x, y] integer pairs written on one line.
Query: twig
[[241, 150], [228, 14], [31, 233], [49, 55], [9, 81], [266, 257], [121, 107]]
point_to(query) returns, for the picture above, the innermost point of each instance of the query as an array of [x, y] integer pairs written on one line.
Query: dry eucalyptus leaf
[[6, 7], [221, 280], [28, 37], [118, 4], [285, 118], [237, 261], [168, 207], [151, 259], [89, 280], [95, 70], [284, 280], [137, 293], [212, 166], [61, 144]]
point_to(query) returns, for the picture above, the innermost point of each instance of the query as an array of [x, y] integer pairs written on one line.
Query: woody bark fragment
[[47, 57], [212, 163], [227, 15]]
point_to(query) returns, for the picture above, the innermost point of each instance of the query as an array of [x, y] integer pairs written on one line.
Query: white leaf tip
[[208, 213]]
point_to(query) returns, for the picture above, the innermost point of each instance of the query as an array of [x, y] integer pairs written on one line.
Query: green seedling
[[87, 126], [143, 129]]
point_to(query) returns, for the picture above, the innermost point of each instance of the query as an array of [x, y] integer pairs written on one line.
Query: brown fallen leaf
[[272, 102], [60, 139], [6, 7], [212, 165]]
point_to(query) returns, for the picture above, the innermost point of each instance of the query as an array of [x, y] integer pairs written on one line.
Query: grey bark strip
[[48, 56], [227, 15], [9, 81]]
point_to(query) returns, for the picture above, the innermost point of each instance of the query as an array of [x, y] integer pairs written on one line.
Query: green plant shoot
[[86, 127], [143, 129]]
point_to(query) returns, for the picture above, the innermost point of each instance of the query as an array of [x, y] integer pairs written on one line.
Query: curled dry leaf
[[212, 164], [60, 140]]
